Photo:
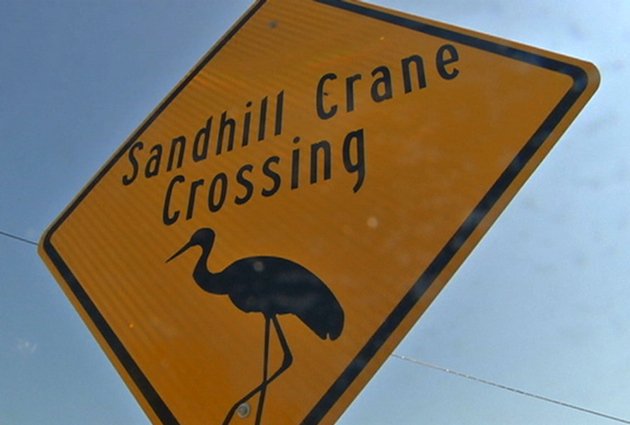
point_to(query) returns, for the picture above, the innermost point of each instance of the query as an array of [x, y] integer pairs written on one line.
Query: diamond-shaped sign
[[257, 248]]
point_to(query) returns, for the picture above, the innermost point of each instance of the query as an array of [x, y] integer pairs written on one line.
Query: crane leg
[[288, 357], [262, 388]]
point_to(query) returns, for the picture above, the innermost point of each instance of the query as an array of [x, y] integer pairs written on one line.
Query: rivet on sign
[[243, 410]]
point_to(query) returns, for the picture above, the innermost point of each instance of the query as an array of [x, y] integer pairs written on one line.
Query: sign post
[[258, 247]]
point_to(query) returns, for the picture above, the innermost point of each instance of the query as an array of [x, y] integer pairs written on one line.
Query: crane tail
[[326, 319]]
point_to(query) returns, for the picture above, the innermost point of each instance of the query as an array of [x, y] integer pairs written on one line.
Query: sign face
[[258, 247]]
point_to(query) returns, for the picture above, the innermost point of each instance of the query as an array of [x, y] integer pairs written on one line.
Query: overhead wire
[[446, 370], [508, 388], [18, 238]]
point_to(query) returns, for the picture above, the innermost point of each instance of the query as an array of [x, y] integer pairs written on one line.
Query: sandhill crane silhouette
[[271, 286]]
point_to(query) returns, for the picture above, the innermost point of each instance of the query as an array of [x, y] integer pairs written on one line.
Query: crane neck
[[208, 281]]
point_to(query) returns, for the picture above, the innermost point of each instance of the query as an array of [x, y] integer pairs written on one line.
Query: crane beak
[[178, 253]]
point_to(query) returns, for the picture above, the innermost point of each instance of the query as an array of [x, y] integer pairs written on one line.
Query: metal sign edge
[[582, 84], [46, 249], [585, 83]]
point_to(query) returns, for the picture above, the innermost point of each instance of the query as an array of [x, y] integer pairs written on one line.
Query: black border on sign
[[369, 350]]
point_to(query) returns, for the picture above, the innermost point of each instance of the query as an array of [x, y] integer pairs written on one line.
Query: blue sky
[[540, 305]]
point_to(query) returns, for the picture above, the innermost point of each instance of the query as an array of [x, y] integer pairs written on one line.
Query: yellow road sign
[[257, 248]]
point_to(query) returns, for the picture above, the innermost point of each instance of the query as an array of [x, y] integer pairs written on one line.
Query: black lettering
[[319, 98], [406, 67], [273, 175], [385, 83], [219, 178], [246, 122], [127, 180], [447, 55], [177, 144], [202, 142], [153, 164], [295, 165], [168, 218], [191, 197], [230, 124], [279, 113], [246, 183], [356, 165], [263, 119], [350, 91], [323, 146]]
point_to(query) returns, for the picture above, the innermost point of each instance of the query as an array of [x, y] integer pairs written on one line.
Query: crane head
[[203, 237]]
